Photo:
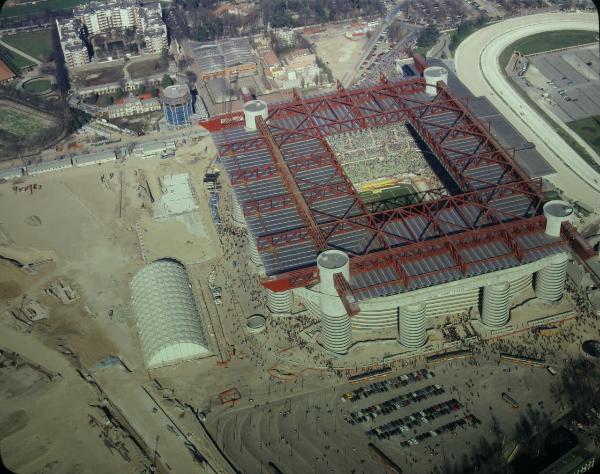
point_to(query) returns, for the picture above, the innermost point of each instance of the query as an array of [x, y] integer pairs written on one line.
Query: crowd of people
[[294, 333], [388, 151]]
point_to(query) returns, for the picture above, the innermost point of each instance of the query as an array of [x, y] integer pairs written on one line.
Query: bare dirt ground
[[45, 414], [87, 225], [338, 52]]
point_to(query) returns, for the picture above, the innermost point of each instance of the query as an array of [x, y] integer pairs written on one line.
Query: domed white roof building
[[168, 319]]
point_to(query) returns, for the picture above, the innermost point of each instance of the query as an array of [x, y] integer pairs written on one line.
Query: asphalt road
[[387, 21], [476, 61]]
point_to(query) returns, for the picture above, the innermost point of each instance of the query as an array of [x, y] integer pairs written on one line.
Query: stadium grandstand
[[474, 232]]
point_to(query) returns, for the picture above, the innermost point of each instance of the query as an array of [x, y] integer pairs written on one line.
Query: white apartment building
[[111, 15], [133, 106]]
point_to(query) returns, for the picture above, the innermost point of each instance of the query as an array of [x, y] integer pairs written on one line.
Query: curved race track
[[477, 67]]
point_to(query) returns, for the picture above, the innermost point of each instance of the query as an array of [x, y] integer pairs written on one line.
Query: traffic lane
[[477, 57]]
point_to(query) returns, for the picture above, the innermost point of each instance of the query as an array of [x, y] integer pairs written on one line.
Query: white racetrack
[[476, 63]]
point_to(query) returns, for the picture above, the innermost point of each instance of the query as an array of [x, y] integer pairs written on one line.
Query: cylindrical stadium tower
[[253, 109], [412, 332], [550, 280], [280, 302], [254, 255], [177, 105], [432, 75], [238, 212], [495, 307], [336, 330]]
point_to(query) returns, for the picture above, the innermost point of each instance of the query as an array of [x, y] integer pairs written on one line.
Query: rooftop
[[176, 91], [216, 56], [6, 72], [297, 200]]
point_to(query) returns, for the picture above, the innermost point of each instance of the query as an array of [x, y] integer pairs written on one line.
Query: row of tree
[[196, 19], [465, 29]]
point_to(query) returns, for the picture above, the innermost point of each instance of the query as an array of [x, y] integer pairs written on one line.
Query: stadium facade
[[481, 240]]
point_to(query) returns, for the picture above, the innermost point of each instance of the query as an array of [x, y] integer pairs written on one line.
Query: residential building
[[132, 106], [95, 18], [300, 59]]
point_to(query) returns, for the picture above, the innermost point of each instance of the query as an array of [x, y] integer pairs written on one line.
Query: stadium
[[386, 206]]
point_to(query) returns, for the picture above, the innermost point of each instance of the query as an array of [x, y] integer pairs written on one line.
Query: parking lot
[[567, 82], [416, 417]]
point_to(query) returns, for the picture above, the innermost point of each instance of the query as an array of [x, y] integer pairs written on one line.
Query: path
[[19, 52]]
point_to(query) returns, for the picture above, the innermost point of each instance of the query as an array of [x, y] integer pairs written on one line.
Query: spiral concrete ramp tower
[[412, 332], [280, 301], [336, 330], [495, 309], [550, 280]]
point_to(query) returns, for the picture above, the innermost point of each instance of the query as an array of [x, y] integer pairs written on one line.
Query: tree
[[191, 76], [119, 93], [428, 36], [166, 81], [202, 33], [396, 31], [141, 89], [154, 92]]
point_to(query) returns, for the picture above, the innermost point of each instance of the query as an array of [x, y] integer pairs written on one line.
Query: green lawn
[[141, 69], [20, 124], [15, 61], [40, 6], [37, 86], [35, 43], [391, 198], [547, 41], [589, 130], [464, 30]]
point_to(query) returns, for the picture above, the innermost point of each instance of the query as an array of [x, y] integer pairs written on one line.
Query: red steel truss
[[449, 245], [430, 211], [313, 119], [345, 292], [294, 191]]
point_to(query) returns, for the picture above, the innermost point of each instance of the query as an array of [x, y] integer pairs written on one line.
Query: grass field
[[99, 76], [396, 196], [14, 59], [37, 86], [20, 124], [589, 130], [547, 41], [141, 69], [35, 43], [40, 6]]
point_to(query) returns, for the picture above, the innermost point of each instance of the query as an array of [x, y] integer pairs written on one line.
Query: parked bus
[[515, 359], [370, 375], [449, 356]]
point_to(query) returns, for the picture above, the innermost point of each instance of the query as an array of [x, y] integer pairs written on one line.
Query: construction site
[[208, 311]]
